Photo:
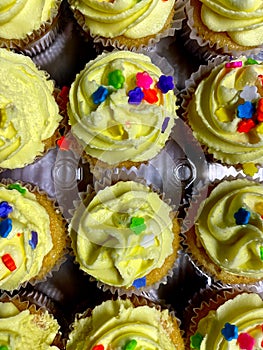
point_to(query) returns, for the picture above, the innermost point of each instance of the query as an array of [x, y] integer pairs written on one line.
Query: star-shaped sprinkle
[[196, 340], [245, 341], [131, 345], [242, 216], [150, 95], [137, 225], [165, 83], [245, 110], [98, 347], [116, 79], [139, 282], [143, 80], [5, 209], [135, 96], [250, 169], [249, 93], [245, 125], [230, 331], [100, 95]]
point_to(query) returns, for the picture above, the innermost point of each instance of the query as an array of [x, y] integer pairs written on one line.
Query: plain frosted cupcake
[[222, 104], [121, 109], [29, 112], [125, 236], [225, 27], [126, 324], [33, 239], [226, 240], [28, 26], [128, 24]]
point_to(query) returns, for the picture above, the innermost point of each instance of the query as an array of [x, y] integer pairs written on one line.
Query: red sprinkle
[[9, 262], [98, 347], [150, 95], [245, 125], [63, 143]]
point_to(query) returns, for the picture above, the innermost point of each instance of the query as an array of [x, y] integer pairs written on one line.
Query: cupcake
[[29, 113], [121, 109], [222, 105], [226, 240], [226, 319], [23, 324], [29, 26], [32, 235], [125, 324], [125, 236], [129, 24], [225, 27]]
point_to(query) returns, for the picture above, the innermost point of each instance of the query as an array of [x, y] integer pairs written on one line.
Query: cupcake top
[[22, 329], [118, 324], [28, 110], [121, 107], [230, 227], [132, 19], [234, 325], [25, 237], [225, 112], [242, 20], [124, 233], [20, 18]]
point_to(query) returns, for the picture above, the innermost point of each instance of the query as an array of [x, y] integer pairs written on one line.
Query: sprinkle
[[17, 187], [137, 225], [5, 227], [143, 80], [98, 347], [250, 61], [100, 95], [165, 124], [245, 125], [9, 262], [242, 216], [34, 240], [150, 95], [131, 345], [249, 93], [259, 128], [135, 96], [260, 77], [5, 209], [139, 282], [196, 340], [63, 143], [245, 110], [245, 341], [165, 83], [230, 331], [116, 79], [4, 347], [234, 64], [64, 97], [261, 252], [250, 169]]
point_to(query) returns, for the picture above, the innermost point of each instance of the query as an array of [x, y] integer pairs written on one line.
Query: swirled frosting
[[29, 114], [25, 236], [242, 20], [19, 18], [130, 18], [230, 227], [21, 329], [114, 324], [240, 319], [115, 130], [225, 112], [105, 239]]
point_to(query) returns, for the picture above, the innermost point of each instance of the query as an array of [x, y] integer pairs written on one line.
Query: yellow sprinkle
[[260, 128], [250, 169], [223, 114]]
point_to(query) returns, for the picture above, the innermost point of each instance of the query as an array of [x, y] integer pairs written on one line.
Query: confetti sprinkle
[[165, 83], [245, 110], [249, 93], [116, 79], [17, 187], [100, 95], [139, 282], [98, 347], [261, 253], [249, 169], [9, 262], [131, 345], [259, 113], [234, 64], [165, 124], [34, 240], [143, 80], [137, 225], [246, 125], [242, 216], [135, 96], [150, 96], [250, 61], [5, 209], [196, 340], [5, 227], [229, 331], [245, 341]]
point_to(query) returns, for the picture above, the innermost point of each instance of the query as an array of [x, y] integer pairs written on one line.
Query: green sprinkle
[[19, 188], [250, 61], [131, 345], [4, 347], [196, 340], [261, 252], [116, 79], [137, 225]]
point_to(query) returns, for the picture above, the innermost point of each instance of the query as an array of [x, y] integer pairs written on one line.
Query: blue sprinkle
[[242, 216], [230, 331], [5, 227], [246, 110], [100, 95], [5, 209], [165, 83], [34, 240], [140, 282], [165, 124], [135, 96]]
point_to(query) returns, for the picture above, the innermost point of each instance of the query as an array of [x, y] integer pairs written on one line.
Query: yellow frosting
[[242, 20], [130, 18], [27, 215], [19, 18], [113, 324], [245, 312], [235, 247], [28, 111], [213, 113], [115, 130], [104, 244], [23, 330]]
